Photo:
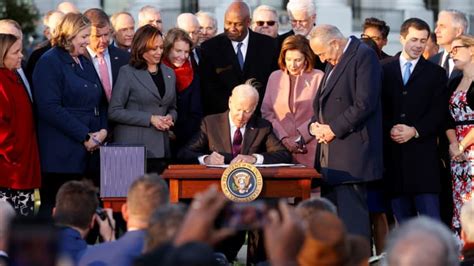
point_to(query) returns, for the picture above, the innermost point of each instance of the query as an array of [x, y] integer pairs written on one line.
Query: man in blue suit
[[347, 124], [145, 195]]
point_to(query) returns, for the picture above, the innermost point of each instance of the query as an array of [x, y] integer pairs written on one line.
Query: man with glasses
[[302, 15], [107, 58], [265, 21], [376, 30]]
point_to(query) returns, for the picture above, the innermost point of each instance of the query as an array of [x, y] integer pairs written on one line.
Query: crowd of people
[[390, 135]]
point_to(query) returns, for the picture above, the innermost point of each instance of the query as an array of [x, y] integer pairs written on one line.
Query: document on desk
[[259, 165]]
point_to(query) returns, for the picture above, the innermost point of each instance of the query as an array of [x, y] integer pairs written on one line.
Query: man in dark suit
[[236, 135], [52, 19], [107, 59], [347, 123], [414, 99], [145, 195], [450, 24], [230, 58], [302, 15]]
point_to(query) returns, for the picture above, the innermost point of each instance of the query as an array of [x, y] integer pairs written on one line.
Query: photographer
[[75, 215]]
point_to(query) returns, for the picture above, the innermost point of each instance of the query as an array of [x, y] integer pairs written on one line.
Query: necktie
[[237, 142], [240, 57], [406, 73], [104, 76], [446, 65]]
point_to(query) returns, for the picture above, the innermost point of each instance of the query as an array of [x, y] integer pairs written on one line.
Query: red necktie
[[237, 142]]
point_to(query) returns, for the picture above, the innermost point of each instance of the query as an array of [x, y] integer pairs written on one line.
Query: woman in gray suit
[[143, 102]]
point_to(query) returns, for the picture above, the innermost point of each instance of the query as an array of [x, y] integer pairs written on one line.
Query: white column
[[466, 6], [335, 12], [219, 12], [409, 4], [83, 5]]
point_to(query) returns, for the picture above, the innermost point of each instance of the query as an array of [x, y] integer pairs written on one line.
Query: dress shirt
[[233, 128], [95, 60], [243, 48], [25, 82], [450, 62], [403, 61]]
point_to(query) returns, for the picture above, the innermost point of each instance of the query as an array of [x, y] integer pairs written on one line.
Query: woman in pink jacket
[[288, 101]]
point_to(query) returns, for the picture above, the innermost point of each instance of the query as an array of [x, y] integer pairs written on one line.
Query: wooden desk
[[187, 180]]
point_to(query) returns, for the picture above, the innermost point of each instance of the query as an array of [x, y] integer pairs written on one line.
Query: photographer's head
[[76, 202], [145, 195]]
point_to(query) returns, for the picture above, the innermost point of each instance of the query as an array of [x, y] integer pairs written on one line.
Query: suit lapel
[[225, 131], [114, 59], [169, 86], [340, 67], [145, 79], [230, 52], [249, 136], [251, 52], [417, 71]]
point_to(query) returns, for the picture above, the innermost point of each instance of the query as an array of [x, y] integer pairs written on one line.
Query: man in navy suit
[[145, 195], [107, 59], [347, 123], [415, 100], [231, 58]]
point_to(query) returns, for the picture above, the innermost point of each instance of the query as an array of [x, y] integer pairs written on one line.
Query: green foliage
[[22, 12]]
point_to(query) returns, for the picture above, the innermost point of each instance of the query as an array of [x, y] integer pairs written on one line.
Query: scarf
[[184, 74]]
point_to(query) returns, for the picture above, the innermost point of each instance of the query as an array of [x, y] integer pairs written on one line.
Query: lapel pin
[[169, 77], [116, 58], [306, 82]]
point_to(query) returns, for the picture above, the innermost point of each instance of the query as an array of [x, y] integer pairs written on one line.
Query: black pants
[[156, 165], [351, 203]]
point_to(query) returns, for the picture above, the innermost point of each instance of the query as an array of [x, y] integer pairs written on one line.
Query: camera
[[101, 213]]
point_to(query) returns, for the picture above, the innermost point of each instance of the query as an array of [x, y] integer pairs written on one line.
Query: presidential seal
[[241, 182]]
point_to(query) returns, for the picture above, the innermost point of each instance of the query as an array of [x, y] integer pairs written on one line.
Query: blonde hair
[[466, 39], [67, 29]]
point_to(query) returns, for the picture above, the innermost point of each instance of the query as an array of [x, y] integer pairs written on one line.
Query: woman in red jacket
[[19, 159]]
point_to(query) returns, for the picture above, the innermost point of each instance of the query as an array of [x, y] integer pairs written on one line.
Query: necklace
[[153, 73]]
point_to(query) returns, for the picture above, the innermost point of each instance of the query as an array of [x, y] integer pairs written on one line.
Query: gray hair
[[248, 89], [202, 14], [265, 8], [144, 10], [459, 18], [325, 33], [419, 233], [302, 5], [113, 18], [467, 220]]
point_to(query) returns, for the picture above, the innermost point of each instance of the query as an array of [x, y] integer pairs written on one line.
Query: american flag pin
[[169, 77]]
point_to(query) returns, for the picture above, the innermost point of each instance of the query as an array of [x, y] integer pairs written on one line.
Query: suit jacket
[[215, 136], [70, 104], [135, 98], [350, 103], [71, 243], [317, 62], [118, 58], [411, 167], [121, 252], [33, 60], [438, 59], [292, 123], [220, 69]]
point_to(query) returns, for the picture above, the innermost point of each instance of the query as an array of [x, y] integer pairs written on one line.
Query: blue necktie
[[240, 57], [406, 73]]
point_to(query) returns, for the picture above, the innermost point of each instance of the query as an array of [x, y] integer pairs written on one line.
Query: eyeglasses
[[269, 23], [375, 38], [454, 50]]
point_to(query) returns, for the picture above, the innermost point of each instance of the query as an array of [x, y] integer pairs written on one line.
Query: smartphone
[[243, 216], [101, 213]]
